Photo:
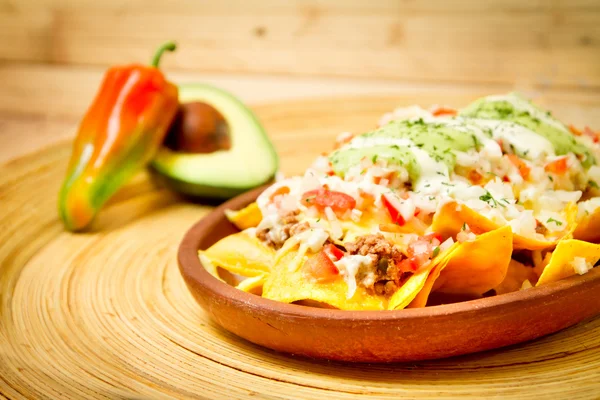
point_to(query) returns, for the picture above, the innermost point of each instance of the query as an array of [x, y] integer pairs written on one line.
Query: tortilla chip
[[420, 300], [291, 286], [478, 266], [410, 290], [288, 283], [210, 267], [450, 219], [248, 217], [588, 228], [252, 284], [241, 253], [560, 265], [516, 274]]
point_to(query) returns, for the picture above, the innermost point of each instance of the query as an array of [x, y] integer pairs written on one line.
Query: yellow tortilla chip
[[421, 298], [516, 274], [450, 219], [248, 217], [288, 283], [241, 253], [478, 266], [290, 286], [252, 284], [588, 228], [411, 288], [561, 263]]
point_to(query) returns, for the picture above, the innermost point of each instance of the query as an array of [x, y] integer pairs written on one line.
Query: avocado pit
[[199, 128]]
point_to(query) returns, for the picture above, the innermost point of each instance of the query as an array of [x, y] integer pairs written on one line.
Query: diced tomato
[[408, 265], [433, 236], [342, 139], [321, 268], [322, 197], [574, 130], [392, 210], [444, 111], [523, 168], [475, 177], [422, 248], [280, 191], [589, 132], [334, 251], [558, 166]]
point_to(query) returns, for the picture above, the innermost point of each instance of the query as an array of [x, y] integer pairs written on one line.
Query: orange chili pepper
[[120, 133]]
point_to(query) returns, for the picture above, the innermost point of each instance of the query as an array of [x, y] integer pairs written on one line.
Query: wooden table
[[105, 314]]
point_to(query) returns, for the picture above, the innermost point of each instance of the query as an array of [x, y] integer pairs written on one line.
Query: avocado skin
[[245, 121]]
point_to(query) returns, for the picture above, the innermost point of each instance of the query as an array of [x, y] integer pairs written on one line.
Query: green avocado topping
[[514, 108], [399, 143]]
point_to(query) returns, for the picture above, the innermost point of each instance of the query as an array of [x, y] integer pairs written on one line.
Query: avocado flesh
[[251, 161]]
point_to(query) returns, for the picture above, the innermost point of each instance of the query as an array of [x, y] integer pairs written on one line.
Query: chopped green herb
[[488, 198], [555, 221], [374, 158], [593, 184], [318, 219], [551, 178], [436, 251], [464, 227]]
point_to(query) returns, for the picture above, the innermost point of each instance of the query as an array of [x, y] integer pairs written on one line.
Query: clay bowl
[[381, 336]]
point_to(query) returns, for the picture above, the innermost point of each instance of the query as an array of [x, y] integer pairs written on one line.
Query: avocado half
[[251, 161]]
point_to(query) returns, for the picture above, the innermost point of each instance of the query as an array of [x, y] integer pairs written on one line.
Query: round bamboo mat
[[106, 314]]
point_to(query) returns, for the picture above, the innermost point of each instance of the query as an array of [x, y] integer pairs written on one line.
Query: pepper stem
[[169, 46]]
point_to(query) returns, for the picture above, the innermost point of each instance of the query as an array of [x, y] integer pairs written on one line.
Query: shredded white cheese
[[348, 267]]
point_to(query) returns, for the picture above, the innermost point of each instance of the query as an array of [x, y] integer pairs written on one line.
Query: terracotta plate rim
[[192, 270]]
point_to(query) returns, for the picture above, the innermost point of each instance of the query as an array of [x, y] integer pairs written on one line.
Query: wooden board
[[106, 314], [539, 42]]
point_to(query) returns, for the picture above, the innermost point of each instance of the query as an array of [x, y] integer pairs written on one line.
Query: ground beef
[[376, 246], [540, 228], [291, 226], [386, 256], [386, 288]]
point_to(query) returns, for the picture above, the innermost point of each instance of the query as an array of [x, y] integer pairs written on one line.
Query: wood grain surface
[[539, 42], [106, 314]]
